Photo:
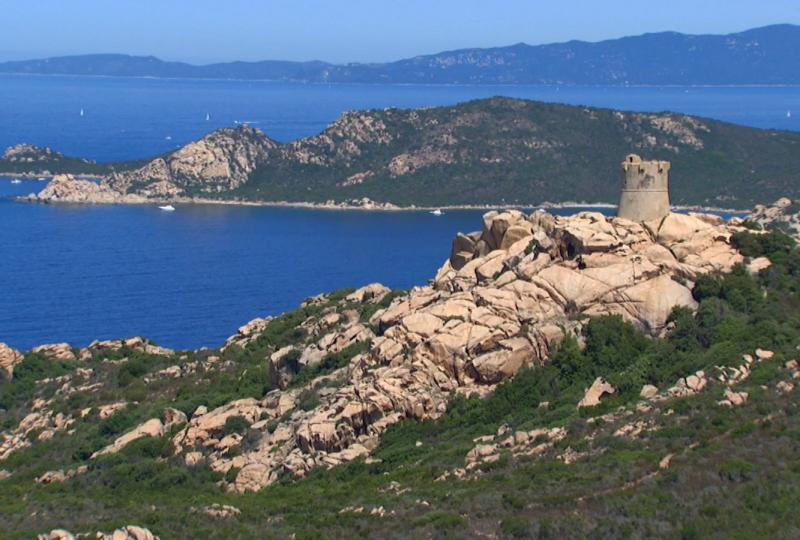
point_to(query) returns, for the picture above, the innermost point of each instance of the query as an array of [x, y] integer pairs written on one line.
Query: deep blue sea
[[189, 278]]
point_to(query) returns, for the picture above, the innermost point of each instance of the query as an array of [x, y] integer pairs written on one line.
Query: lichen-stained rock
[[8, 359]]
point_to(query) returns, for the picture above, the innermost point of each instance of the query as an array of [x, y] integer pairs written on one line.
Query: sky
[[202, 31]]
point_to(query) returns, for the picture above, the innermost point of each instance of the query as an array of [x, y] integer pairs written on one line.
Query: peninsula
[[497, 151]]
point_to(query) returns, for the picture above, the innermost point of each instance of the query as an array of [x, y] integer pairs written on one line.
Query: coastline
[[399, 84], [363, 204]]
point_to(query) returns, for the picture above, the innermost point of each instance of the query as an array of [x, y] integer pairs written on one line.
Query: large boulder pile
[[66, 188], [508, 294], [783, 214], [130, 532]]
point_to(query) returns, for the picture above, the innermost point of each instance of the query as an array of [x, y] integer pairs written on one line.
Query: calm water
[[189, 278], [136, 118]]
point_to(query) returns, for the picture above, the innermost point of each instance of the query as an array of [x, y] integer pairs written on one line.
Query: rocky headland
[[498, 152], [348, 368]]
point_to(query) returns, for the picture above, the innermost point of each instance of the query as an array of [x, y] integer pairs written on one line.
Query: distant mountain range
[[768, 55]]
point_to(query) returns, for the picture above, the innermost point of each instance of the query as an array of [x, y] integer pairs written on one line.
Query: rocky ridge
[[497, 151], [506, 296], [476, 325], [347, 367]]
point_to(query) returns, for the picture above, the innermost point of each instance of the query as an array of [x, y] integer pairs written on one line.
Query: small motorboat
[[41, 179], [16, 181], [437, 212], [167, 208]]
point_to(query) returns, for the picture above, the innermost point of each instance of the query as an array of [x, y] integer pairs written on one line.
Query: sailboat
[[437, 212], [167, 208], [81, 111], [208, 117], [788, 114], [16, 181]]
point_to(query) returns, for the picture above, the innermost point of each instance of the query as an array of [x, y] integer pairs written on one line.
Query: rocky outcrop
[[8, 359], [65, 188], [130, 532], [38, 425], [29, 153], [151, 428], [61, 352], [783, 214], [221, 161], [507, 295], [595, 393]]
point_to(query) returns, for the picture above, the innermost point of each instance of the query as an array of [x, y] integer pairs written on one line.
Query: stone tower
[[645, 189]]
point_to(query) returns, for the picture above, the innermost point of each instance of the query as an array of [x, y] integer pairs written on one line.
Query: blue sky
[[350, 30]]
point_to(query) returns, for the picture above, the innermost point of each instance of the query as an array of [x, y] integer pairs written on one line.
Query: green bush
[[235, 424], [515, 526]]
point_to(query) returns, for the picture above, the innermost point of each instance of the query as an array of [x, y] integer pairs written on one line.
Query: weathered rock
[[150, 428], [758, 264], [372, 293], [61, 352], [677, 227], [648, 391], [596, 392], [423, 324], [514, 297], [173, 417], [8, 359]]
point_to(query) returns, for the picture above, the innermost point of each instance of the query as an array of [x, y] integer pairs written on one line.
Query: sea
[[190, 278]]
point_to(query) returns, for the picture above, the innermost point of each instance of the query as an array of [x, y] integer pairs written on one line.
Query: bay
[[189, 278], [127, 118]]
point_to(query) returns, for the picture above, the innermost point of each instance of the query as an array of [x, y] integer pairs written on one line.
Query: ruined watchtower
[[645, 189]]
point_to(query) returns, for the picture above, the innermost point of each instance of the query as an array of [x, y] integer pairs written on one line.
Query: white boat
[[16, 181], [41, 179], [208, 117], [81, 111], [788, 114], [437, 212], [167, 208]]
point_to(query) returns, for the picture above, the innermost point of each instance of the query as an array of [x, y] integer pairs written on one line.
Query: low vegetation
[[734, 471]]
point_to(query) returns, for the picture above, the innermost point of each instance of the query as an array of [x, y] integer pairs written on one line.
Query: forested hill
[[765, 55], [492, 151]]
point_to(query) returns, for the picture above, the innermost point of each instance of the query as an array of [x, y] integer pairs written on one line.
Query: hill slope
[[466, 408], [494, 151], [758, 56]]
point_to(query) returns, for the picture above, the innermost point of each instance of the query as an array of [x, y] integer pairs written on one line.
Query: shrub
[[235, 424], [736, 470], [515, 526], [308, 399]]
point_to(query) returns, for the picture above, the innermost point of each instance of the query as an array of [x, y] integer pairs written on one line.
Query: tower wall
[[645, 189]]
